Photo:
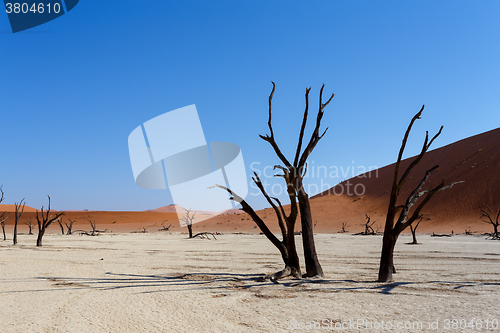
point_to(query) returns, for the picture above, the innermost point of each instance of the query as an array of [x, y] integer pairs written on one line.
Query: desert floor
[[163, 282]]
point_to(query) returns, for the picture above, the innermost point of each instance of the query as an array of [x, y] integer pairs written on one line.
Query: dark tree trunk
[[3, 230], [61, 226], [414, 235], [190, 229], [14, 238], [39, 238], [387, 258], [293, 258], [495, 228], [313, 267]]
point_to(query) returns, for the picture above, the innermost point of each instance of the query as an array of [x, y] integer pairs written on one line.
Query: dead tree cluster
[[493, 219], [44, 220], [293, 172]]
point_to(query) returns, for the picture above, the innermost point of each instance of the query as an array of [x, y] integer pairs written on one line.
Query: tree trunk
[[62, 228], [387, 258], [313, 267], [39, 238], [14, 239], [293, 258], [414, 234], [190, 229], [3, 229], [495, 226]]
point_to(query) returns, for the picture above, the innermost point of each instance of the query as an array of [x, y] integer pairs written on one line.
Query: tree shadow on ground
[[231, 282]]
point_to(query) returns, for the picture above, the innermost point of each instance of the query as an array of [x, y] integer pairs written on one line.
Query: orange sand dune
[[12, 208], [112, 221], [475, 160]]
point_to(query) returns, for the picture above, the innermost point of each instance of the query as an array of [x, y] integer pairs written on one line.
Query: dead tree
[[17, 214], [368, 226], [44, 220], [293, 173], [413, 230], [94, 231], [296, 173], [344, 225], [189, 222], [205, 235], [393, 229], [30, 225], [491, 220], [164, 228], [69, 226], [3, 216]]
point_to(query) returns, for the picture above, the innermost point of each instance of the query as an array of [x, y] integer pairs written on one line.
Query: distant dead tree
[[30, 225], [344, 225], [491, 219], [44, 220], [164, 228], [392, 230], [368, 226], [3, 216], [205, 235], [293, 173], [94, 231], [19, 209], [69, 227], [189, 221], [413, 230]]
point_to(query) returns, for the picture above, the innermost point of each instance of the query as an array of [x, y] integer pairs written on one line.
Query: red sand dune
[[475, 160]]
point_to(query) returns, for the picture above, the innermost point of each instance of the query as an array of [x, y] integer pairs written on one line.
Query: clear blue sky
[[72, 90]]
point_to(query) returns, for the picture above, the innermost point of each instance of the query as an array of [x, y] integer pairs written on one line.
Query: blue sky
[[73, 89]]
